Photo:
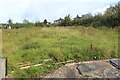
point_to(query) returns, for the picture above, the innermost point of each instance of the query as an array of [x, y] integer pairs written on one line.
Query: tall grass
[[58, 43]]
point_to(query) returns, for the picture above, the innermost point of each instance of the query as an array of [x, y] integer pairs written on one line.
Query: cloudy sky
[[38, 10]]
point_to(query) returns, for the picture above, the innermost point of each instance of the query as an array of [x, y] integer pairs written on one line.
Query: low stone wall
[[2, 67]]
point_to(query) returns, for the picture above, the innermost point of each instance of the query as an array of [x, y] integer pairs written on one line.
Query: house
[[7, 27], [58, 21]]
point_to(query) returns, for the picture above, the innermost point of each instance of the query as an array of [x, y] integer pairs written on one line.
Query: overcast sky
[[38, 10]]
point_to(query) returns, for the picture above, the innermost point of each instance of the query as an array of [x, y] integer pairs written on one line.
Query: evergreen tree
[[45, 21], [10, 21]]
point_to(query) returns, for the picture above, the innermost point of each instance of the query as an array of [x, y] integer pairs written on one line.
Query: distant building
[[87, 15], [58, 21], [7, 27]]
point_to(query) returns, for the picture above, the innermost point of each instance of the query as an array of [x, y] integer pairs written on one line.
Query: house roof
[[59, 19]]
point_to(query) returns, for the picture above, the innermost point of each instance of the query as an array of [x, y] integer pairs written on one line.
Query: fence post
[[3, 67]]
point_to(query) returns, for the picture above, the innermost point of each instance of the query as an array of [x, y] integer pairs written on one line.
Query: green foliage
[[95, 54], [26, 21], [58, 43], [66, 21], [9, 21], [109, 19], [34, 71], [45, 22], [39, 24]]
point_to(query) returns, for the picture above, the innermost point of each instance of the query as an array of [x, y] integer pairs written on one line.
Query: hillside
[[51, 45]]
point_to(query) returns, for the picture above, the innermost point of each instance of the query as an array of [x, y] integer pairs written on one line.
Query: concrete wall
[[0, 42], [2, 68]]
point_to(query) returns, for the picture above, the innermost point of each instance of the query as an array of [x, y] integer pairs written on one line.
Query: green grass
[[58, 43]]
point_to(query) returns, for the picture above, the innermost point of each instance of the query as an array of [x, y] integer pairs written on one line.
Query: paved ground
[[102, 69]]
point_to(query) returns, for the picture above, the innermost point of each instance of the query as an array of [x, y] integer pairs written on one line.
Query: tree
[[25, 21], [45, 21], [112, 15], [39, 24], [27, 24], [87, 15], [76, 21], [77, 16], [97, 20], [113, 10], [67, 21], [9, 21]]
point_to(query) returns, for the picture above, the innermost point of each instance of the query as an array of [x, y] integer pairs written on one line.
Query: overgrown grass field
[[33, 45]]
